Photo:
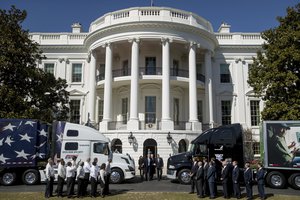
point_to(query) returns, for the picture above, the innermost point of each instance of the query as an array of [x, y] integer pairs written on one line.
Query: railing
[[150, 71], [117, 125], [119, 15], [150, 12]]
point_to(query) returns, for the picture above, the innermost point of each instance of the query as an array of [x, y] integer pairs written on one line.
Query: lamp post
[[169, 138], [130, 138]]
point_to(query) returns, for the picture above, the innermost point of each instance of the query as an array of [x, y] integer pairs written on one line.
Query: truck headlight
[[171, 167], [131, 168]]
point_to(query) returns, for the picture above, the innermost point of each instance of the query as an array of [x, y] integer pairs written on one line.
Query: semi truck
[[26, 144], [227, 142]]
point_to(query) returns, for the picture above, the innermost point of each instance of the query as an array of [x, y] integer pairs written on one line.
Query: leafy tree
[[25, 90], [275, 73]]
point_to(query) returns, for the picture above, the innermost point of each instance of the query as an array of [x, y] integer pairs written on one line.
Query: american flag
[[23, 142]]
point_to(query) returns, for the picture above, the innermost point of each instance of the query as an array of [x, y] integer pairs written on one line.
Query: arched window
[[182, 146], [150, 146], [116, 146]]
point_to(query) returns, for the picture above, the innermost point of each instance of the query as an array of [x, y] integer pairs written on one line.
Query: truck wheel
[[294, 181], [116, 176], [184, 176], [276, 180], [8, 178], [30, 177]]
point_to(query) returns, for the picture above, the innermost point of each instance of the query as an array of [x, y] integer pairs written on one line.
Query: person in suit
[[225, 179], [205, 183], [200, 180], [49, 178], [159, 163], [211, 178], [108, 173], [141, 167], [148, 163], [260, 181], [235, 180], [193, 174], [152, 167], [248, 181]]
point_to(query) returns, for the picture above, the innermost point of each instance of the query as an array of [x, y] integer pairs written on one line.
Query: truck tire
[[276, 180], [8, 178], [294, 181], [30, 177], [116, 176], [184, 176]]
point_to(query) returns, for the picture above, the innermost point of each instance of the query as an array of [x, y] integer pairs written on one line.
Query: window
[[76, 72], [125, 110], [100, 110], [75, 111], [101, 148], [254, 111], [71, 146], [200, 111], [125, 68], [226, 112], [116, 146], [175, 69], [49, 68], [100, 72], [150, 65], [256, 147], [176, 111], [224, 73], [150, 109], [182, 146], [72, 133]]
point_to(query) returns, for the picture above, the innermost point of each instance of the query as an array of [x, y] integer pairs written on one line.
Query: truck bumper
[[129, 174], [171, 174]]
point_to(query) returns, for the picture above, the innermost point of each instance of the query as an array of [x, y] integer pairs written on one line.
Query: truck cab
[[220, 143]]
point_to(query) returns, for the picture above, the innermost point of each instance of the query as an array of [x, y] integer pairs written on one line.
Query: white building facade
[[152, 78]]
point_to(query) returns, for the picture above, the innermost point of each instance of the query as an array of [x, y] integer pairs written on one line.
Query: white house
[[152, 78]]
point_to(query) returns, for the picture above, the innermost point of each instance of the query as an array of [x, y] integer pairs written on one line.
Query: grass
[[129, 196]]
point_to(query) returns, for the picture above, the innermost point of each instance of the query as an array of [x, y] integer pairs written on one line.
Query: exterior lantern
[[169, 138], [130, 138]]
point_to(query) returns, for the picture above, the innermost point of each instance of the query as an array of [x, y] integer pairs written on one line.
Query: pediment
[[76, 93]]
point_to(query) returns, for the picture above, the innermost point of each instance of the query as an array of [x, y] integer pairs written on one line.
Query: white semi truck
[[26, 144]]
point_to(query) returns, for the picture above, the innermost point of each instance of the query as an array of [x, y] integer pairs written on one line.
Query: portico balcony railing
[[150, 71]]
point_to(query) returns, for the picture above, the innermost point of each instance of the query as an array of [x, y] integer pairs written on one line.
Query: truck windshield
[[199, 149], [101, 148]]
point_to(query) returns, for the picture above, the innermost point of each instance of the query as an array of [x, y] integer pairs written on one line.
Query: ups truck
[[26, 144], [227, 142]]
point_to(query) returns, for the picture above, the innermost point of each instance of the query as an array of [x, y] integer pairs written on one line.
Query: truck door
[[101, 151]]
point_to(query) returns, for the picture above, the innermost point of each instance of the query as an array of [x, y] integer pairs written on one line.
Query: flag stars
[[30, 123], [3, 159], [9, 127], [26, 137], [43, 133], [8, 141], [22, 154]]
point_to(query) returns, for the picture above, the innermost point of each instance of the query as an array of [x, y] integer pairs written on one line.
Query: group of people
[[84, 172], [149, 165], [204, 176]]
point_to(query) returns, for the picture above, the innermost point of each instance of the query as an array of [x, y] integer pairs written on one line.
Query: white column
[[239, 104], [193, 110], [166, 123], [107, 88], [92, 88], [133, 123], [208, 88]]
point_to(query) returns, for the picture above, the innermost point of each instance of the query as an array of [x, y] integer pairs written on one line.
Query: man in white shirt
[[80, 179], [87, 170], [70, 176], [94, 178], [61, 172], [49, 178]]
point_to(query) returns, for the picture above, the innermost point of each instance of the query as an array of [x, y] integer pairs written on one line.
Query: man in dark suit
[[148, 163], [235, 180], [205, 182], [200, 179], [193, 174], [211, 178], [159, 165], [225, 179], [248, 181], [141, 167], [260, 181]]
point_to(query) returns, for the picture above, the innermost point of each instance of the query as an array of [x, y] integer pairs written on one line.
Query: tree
[[275, 73], [25, 90]]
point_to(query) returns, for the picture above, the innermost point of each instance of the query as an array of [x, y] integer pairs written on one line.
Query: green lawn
[[128, 196]]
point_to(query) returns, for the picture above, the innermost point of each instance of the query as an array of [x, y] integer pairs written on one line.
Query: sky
[[58, 15]]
